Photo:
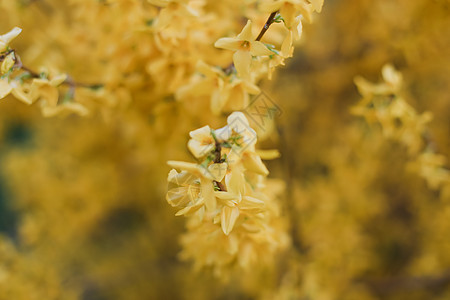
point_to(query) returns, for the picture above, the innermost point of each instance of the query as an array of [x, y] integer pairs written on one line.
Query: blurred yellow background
[[83, 213]]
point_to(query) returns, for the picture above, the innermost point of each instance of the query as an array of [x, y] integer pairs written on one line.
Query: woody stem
[[267, 25]]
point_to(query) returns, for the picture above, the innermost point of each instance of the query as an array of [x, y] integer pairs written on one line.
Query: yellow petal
[[21, 95], [317, 5], [64, 109], [58, 80], [391, 76], [253, 163], [201, 133], [288, 12], [205, 69], [8, 37], [218, 171], [178, 197], [268, 154], [259, 49], [306, 10], [235, 182], [183, 178], [228, 43], [242, 61], [251, 204], [188, 210], [286, 46], [5, 88], [207, 190], [190, 167], [228, 218], [198, 149], [218, 100], [250, 87], [246, 33], [271, 6]]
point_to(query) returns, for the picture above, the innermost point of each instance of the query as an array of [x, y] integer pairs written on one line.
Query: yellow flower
[[246, 47], [201, 142], [8, 37], [227, 91], [205, 178]]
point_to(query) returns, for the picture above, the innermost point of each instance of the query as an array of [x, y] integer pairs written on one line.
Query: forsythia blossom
[[246, 47], [224, 192], [30, 87], [383, 103]]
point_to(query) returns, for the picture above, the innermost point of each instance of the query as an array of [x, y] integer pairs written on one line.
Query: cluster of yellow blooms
[[383, 103], [29, 86], [85, 210], [232, 219]]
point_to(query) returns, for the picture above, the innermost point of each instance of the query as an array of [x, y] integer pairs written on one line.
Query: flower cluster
[[224, 196], [383, 103], [230, 85], [29, 86]]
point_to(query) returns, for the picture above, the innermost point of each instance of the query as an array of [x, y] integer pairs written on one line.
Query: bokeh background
[[82, 199]]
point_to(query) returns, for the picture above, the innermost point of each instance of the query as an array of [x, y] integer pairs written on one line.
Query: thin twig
[[69, 80], [267, 25]]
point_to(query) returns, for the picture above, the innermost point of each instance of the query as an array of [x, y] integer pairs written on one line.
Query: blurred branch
[[68, 81], [388, 286]]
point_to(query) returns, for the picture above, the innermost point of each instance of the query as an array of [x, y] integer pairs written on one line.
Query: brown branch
[[69, 80], [218, 160], [267, 25]]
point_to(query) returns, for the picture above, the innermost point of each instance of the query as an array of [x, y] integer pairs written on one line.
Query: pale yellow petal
[[391, 76], [259, 49], [228, 43], [5, 88], [306, 10], [205, 69], [268, 154], [251, 204], [21, 95], [207, 190], [58, 80], [190, 167], [287, 11], [238, 121], [189, 210], [218, 171], [228, 218], [250, 88], [64, 110], [178, 197], [270, 6], [198, 149], [253, 163], [246, 33], [317, 5], [286, 46], [235, 182], [201, 133], [242, 61], [223, 134], [8, 37]]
